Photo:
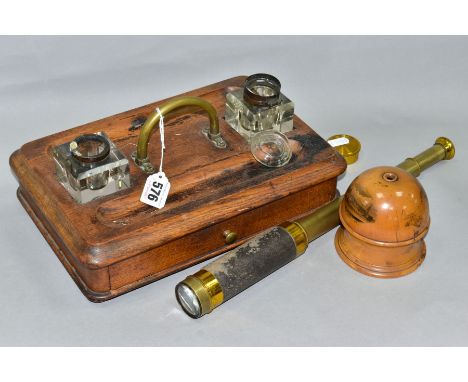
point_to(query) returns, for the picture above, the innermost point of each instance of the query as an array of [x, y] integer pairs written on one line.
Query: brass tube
[[321, 220], [443, 148], [153, 120]]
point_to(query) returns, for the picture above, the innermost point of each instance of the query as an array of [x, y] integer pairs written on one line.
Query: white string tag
[[156, 190], [157, 186], [338, 141]]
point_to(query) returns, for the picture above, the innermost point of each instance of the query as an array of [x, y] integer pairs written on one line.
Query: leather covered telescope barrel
[[247, 264]]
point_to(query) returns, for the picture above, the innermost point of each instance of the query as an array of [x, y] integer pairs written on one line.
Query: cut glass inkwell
[[91, 166], [258, 106]]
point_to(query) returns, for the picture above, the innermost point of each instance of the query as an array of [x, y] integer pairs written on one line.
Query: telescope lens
[[188, 300]]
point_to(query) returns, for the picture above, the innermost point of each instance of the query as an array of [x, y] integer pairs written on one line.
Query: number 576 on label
[[156, 190]]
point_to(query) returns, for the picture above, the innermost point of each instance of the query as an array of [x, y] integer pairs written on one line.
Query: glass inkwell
[[91, 166], [262, 114]]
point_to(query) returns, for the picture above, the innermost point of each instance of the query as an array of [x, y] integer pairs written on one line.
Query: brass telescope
[[247, 264]]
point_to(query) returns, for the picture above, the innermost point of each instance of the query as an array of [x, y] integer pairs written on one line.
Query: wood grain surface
[[116, 243]]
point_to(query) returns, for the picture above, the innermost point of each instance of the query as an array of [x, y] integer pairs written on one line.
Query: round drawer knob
[[229, 236]]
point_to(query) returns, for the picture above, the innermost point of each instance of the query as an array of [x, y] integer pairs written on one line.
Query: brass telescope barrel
[[443, 148], [247, 264]]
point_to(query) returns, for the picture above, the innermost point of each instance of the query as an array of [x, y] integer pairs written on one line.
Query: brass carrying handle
[[213, 134]]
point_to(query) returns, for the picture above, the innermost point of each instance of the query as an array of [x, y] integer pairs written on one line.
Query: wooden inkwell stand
[[219, 197]]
